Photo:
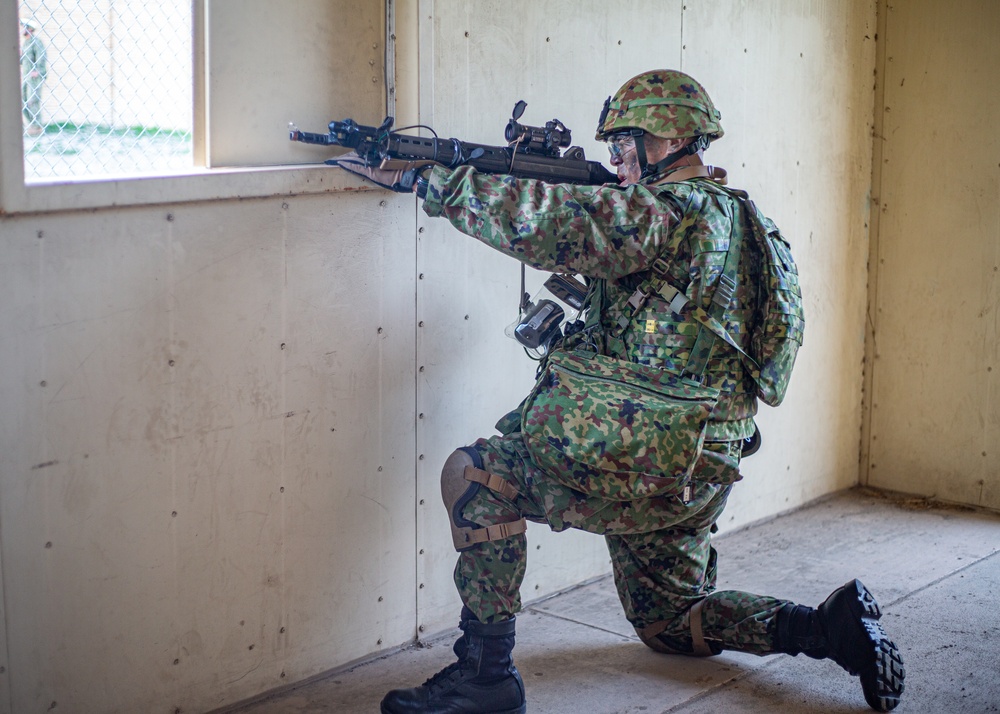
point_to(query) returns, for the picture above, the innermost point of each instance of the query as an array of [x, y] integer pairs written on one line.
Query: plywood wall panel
[[209, 486], [934, 416], [246, 404], [227, 327], [348, 477], [483, 64], [324, 59], [82, 528], [792, 81]]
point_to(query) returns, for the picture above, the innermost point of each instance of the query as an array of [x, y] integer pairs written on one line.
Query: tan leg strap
[[648, 636], [499, 531], [491, 481], [699, 647], [698, 644]]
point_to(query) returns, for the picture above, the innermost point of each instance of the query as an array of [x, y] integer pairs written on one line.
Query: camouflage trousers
[[660, 547], [31, 97]]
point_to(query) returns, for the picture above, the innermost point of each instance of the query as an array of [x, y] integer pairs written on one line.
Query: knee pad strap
[[651, 636], [461, 478]]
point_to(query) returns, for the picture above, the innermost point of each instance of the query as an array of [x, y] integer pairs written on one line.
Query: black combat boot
[[484, 680], [845, 628]]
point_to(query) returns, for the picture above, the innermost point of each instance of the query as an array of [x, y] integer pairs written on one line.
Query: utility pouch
[[719, 462], [510, 422], [615, 429]]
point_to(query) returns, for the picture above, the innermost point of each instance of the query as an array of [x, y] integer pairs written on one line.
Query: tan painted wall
[[935, 413], [224, 419]]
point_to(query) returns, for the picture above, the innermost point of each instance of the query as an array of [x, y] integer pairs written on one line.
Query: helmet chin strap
[[700, 143]]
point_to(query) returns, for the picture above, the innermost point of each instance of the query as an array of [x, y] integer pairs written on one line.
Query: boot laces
[[448, 676]]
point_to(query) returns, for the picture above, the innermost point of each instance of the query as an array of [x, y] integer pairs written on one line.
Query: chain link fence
[[106, 87]]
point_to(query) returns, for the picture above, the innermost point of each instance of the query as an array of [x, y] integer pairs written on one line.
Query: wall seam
[[425, 115], [7, 705], [390, 59], [680, 59], [876, 207]]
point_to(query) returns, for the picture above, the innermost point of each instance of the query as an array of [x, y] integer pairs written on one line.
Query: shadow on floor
[[934, 569]]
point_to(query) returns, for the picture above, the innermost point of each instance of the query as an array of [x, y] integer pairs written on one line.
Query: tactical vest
[[640, 324]]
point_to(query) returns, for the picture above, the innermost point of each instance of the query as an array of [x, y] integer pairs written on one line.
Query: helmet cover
[[662, 102]]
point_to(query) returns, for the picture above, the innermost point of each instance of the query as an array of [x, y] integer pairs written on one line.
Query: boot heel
[[869, 606]]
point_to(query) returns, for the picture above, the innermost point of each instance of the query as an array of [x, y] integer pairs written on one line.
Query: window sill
[[195, 185]]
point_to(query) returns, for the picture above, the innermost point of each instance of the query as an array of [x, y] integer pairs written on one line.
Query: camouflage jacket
[[33, 59], [614, 235]]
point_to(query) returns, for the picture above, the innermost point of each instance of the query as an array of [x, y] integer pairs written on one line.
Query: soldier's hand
[[399, 180]]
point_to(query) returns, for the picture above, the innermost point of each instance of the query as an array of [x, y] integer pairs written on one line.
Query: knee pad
[[461, 479], [653, 637]]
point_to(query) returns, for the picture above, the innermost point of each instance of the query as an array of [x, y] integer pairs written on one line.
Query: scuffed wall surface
[[934, 413], [228, 480], [483, 63], [794, 83], [797, 116], [207, 448]]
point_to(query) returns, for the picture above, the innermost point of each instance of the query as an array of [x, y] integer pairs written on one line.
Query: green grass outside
[[90, 129]]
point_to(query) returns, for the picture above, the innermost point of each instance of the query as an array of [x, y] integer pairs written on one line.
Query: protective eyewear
[[619, 144]]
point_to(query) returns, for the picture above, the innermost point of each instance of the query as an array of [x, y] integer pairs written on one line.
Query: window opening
[[106, 87]]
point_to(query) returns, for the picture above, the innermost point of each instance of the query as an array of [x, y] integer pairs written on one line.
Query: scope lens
[[513, 131]]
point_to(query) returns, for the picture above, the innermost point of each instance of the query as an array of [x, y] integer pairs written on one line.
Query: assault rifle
[[531, 152]]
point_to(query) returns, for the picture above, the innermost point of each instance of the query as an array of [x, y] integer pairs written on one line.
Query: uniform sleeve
[[43, 61], [599, 231]]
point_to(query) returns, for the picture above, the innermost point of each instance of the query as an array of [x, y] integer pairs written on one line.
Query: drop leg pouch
[[615, 429]]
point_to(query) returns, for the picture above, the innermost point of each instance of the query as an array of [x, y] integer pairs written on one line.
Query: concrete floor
[[934, 570]]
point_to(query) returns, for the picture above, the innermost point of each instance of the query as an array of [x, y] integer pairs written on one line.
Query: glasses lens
[[618, 144]]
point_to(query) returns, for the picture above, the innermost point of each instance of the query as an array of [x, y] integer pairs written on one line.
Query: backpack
[[780, 321]]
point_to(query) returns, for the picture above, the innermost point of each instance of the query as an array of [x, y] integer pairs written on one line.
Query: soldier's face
[[628, 167], [625, 159]]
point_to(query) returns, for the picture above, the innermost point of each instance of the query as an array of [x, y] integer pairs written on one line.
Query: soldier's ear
[[658, 149]]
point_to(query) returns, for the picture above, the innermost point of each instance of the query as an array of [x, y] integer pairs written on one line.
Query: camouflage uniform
[[33, 61], [609, 432], [660, 546]]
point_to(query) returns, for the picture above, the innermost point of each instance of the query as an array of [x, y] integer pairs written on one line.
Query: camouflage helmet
[[663, 102]]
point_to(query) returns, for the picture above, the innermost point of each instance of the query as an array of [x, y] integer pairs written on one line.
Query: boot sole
[[519, 710], [882, 680]]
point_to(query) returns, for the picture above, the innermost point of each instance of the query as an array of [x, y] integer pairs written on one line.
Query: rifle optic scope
[[546, 140]]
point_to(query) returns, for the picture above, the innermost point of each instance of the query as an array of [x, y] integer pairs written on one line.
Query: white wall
[[225, 418], [934, 425]]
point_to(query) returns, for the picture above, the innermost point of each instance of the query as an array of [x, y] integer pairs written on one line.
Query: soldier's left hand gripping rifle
[[531, 152]]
